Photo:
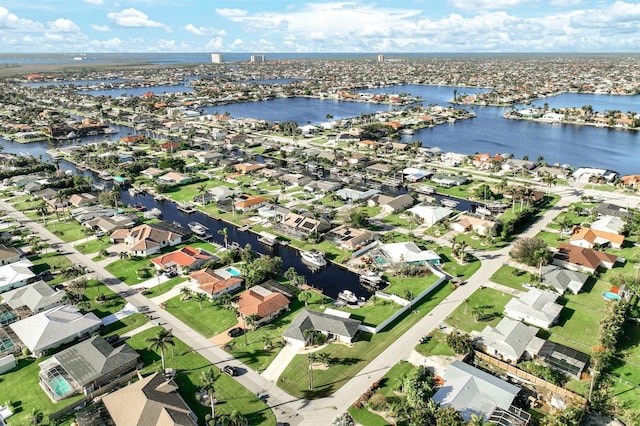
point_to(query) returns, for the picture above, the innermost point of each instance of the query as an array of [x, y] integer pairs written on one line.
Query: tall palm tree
[[185, 294], [43, 210], [162, 340], [200, 297], [478, 420], [325, 358], [305, 296], [202, 189], [225, 234], [208, 378]]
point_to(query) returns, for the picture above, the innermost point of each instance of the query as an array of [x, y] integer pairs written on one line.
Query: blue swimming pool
[[60, 386], [611, 296], [233, 271]]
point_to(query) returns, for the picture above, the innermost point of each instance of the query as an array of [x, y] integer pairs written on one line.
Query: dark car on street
[[230, 370]]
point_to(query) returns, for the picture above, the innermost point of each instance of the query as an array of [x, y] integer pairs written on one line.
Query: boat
[[314, 257], [371, 279], [407, 131], [153, 213], [197, 228], [447, 202], [139, 207], [185, 208], [267, 238], [348, 297]]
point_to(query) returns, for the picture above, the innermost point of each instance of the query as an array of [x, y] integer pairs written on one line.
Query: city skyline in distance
[[349, 26]]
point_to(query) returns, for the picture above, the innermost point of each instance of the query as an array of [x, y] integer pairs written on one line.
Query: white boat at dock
[[314, 257], [267, 238], [371, 279], [348, 297], [447, 202], [197, 228]]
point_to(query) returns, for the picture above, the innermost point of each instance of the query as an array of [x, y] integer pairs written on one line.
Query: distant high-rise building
[[216, 58], [380, 58], [257, 58]]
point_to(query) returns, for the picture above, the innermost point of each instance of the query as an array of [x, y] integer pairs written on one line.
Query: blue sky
[[262, 26]]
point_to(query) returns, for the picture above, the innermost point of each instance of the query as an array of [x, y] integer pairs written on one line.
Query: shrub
[[378, 402]]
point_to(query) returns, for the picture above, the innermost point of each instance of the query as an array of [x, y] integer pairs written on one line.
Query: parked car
[[112, 339], [230, 370], [235, 332]]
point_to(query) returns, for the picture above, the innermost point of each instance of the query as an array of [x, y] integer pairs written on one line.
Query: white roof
[[509, 337], [535, 305], [44, 330], [611, 224], [407, 252], [14, 273], [430, 214]]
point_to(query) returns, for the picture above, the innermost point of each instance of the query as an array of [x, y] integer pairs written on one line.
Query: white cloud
[[133, 18], [95, 2], [11, 21], [489, 4], [64, 26], [231, 13], [202, 31], [214, 44], [112, 44], [101, 28], [564, 3]]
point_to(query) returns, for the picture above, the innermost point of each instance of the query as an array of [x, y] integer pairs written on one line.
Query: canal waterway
[[331, 279]]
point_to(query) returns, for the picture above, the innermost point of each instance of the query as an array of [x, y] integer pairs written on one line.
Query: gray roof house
[[536, 307], [337, 327], [473, 391], [562, 279], [510, 340], [9, 254], [85, 367], [55, 327], [38, 297]]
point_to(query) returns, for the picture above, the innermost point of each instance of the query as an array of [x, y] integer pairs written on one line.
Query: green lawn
[[511, 277], [112, 303], [95, 245], [124, 325], [348, 361], [164, 287], [21, 387], [402, 286], [126, 269], [491, 301], [68, 231], [189, 365], [365, 417], [212, 319], [374, 312], [391, 381], [437, 345], [53, 262]]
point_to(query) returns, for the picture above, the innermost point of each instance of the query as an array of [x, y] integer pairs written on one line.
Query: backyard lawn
[[402, 286], [490, 303], [212, 319], [68, 231], [437, 345], [95, 245], [348, 361], [126, 269], [373, 312], [164, 287], [189, 365], [112, 302], [53, 262], [511, 277]]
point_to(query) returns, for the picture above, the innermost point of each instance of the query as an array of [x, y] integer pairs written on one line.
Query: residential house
[[586, 174], [510, 340], [9, 255], [295, 179], [392, 204], [108, 224], [184, 259], [248, 168], [37, 297], [609, 224], [563, 280], [84, 199], [174, 178], [349, 238], [151, 401], [334, 324], [449, 180], [632, 181], [478, 225], [583, 259], [407, 253], [248, 202], [152, 172], [485, 161], [208, 157], [556, 172], [323, 186], [413, 174], [85, 367], [536, 307], [608, 209], [379, 169], [83, 214], [16, 274], [54, 327], [430, 215], [356, 195], [212, 284], [303, 225], [147, 239], [220, 194], [473, 391], [259, 302], [515, 165], [591, 238]]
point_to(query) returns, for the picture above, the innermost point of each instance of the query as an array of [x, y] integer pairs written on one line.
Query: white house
[[536, 307], [510, 340], [16, 274], [430, 215], [340, 328]]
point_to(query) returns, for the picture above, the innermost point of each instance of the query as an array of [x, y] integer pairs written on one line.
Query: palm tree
[[43, 210], [325, 358], [268, 342], [311, 357], [478, 420], [305, 296], [208, 378], [200, 297], [202, 189], [237, 419], [477, 312], [185, 294], [162, 340], [542, 258], [225, 234]]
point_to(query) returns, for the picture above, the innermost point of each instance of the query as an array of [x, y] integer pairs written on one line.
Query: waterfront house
[[83, 214], [151, 401], [407, 253], [152, 172], [536, 307], [248, 202], [147, 239], [36, 297], [591, 238], [208, 157], [378, 169], [336, 325], [9, 255], [349, 238], [391, 204], [54, 327], [212, 284], [108, 224], [15, 274], [562, 279], [583, 259], [478, 225], [85, 367], [448, 180], [556, 172], [609, 224], [632, 181], [587, 174], [355, 195], [302, 225], [220, 194], [430, 215], [248, 168], [608, 209], [510, 340], [259, 302], [84, 199], [174, 178], [184, 259], [473, 391]]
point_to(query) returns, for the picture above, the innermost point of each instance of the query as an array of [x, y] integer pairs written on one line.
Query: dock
[[267, 238], [185, 208]]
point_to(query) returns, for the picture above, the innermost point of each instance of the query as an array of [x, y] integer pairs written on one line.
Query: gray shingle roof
[[36, 296], [320, 321]]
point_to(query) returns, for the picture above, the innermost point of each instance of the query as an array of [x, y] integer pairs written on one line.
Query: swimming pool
[[611, 296], [380, 260], [233, 271], [60, 386]]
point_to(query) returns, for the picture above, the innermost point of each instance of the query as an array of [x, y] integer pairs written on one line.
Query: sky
[[263, 26]]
